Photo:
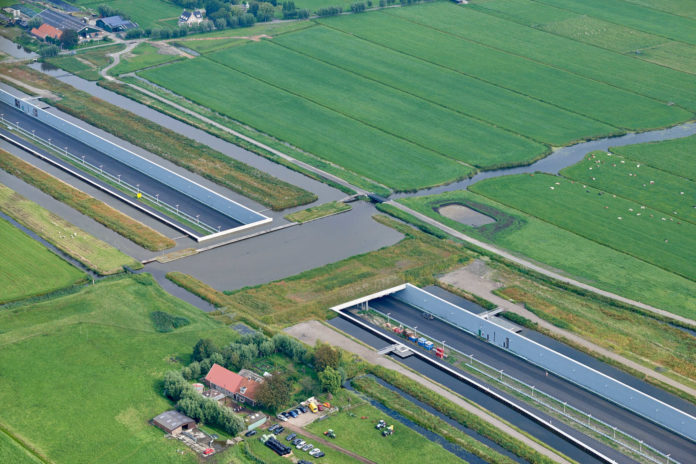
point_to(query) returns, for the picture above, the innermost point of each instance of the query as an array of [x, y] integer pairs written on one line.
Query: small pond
[[462, 214]]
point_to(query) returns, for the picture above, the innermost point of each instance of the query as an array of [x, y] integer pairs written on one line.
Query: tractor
[[388, 431], [330, 433], [380, 425]]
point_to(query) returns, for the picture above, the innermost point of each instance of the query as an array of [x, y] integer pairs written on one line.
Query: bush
[[48, 51], [165, 322], [330, 380], [517, 319], [134, 33]]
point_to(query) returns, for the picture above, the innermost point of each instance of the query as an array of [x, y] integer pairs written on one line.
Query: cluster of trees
[[290, 11], [330, 11], [358, 7], [196, 406], [107, 10]]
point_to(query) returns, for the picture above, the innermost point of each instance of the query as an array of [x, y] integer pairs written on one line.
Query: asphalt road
[[147, 184], [658, 437]]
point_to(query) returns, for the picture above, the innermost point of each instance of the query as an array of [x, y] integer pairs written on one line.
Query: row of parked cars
[[298, 443]]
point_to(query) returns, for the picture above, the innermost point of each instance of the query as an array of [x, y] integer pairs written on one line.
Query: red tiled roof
[[231, 382], [46, 30]]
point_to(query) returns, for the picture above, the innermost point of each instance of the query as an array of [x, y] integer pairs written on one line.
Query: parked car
[[308, 447], [250, 433], [314, 452], [280, 429], [304, 409], [297, 441], [302, 461], [320, 454], [282, 417], [291, 437], [273, 427], [300, 444], [293, 414], [208, 452], [320, 407]]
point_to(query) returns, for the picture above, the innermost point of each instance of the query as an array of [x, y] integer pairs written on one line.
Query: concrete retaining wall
[[182, 184], [580, 374]]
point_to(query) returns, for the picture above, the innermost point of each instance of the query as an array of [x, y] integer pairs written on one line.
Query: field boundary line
[[28, 448], [419, 97], [540, 269], [532, 60], [360, 121]]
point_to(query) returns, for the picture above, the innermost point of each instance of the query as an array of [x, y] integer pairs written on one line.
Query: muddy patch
[[464, 215]]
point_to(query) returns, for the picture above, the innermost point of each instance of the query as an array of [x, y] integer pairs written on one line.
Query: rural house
[[174, 422], [45, 30], [241, 388], [190, 17]]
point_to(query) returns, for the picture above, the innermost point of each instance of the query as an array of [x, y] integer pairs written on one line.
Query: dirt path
[[41, 93], [471, 279], [253, 38], [541, 270], [312, 331], [117, 59], [327, 443]]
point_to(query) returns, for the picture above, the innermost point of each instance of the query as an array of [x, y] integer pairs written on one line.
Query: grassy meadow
[[142, 56], [316, 212], [13, 452], [676, 156], [567, 252], [146, 13], [28, 268], [624, 225], [100, 346], [638, 181]]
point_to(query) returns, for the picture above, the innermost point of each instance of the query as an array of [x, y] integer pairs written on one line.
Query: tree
[[203, 349], [274, 392], [265, 12], [174, 385], [325, 356], [36, 21], [47, 51], [69, 38], [330, 380]]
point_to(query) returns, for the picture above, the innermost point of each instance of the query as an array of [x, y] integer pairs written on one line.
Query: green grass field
[[637, 181], [316, 212], [89, 366], [324, 132], [28, 268], [142, 56], [676, 156], [13, 452], [360, 436], [568, 252], [618, 223], [146, 13]]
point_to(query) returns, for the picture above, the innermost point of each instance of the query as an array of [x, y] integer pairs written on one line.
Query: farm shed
[[174, 422], [254, 420], [115, 24]]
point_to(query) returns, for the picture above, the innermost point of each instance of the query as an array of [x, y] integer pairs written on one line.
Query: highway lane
[[147, 184], [643, 429], [501, 410]]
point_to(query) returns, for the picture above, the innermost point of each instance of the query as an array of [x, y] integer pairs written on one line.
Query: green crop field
[[637, 181], [676, 156], [88, 367], [618, 223], [13, 452], [679, 7], [568, 252], [360, 436], [392, 111], [326, 133], [142, 56], [461, 93], [621, 71], [146, 13], [28, 268]]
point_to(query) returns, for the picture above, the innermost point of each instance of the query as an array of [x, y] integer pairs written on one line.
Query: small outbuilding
[[115, 24], [174, 422], [254, 420]]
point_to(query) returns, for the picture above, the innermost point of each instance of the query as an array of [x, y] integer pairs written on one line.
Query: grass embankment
[[360, 436], [459, 414], [86, 63], [105, 360], [27, 268], [573, 254], [316, 212], [93, 253], [166, 143], [308, 295], [283, 147], [427, 420], [99, 211], [624, 225], [142, 56]]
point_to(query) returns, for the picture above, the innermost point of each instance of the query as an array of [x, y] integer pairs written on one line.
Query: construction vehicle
[[388, 431], [330, 433]]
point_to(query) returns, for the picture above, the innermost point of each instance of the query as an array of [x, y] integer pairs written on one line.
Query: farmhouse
[[115, 24], [191, 17], [174, 422], [45, 30], [241, 387]]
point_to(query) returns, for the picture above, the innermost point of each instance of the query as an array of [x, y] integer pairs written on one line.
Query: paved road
[[665, 441], [541, 270], [114, 167]]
